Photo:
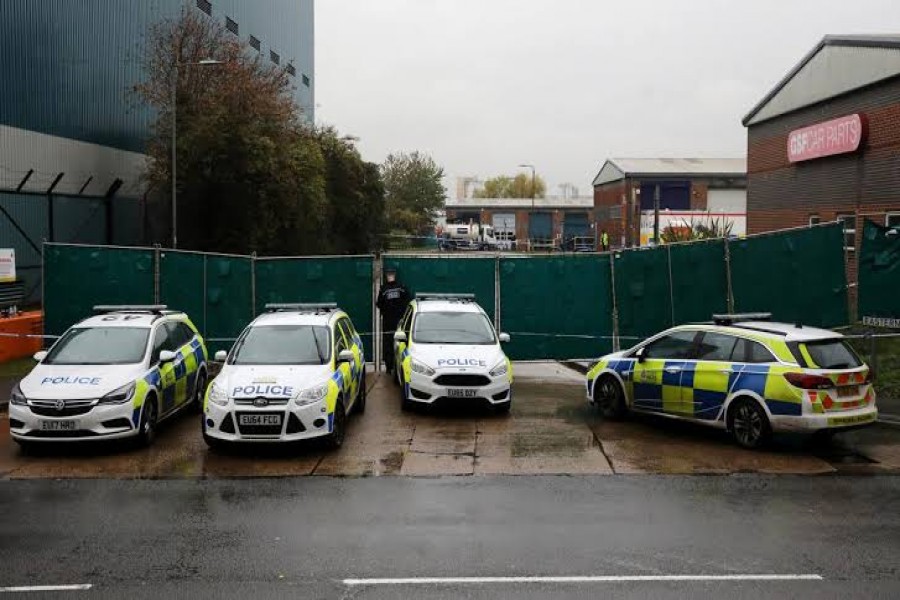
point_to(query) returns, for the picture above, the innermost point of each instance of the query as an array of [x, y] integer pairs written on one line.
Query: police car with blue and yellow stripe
[[295, 373], [114, 375], [743, 373]]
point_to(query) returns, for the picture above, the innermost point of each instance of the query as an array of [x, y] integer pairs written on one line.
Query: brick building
[[824, 144], [690, 189]]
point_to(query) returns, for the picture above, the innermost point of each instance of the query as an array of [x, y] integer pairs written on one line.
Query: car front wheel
[[609, 398]]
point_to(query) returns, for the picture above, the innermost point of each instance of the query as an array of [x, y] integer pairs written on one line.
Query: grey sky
[[484, 85]]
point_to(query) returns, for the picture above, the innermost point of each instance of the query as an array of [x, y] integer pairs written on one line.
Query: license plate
[[854, 420], [59, 425], [848, 392], [451, 393], [259, 420]]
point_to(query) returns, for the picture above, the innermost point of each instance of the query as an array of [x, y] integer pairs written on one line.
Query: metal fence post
[[253, 285], [671, 283], [157, 257], [729, 293], [615, 304], [873, 353], [377, 342], [497, 321], [205, 296]]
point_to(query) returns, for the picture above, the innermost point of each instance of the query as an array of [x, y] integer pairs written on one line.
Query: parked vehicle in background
[[470, 237]]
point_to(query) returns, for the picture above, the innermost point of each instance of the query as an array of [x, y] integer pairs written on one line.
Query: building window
[[273, 56], [306, 80], [231, 25], [814, 220], [892, 220], [255, 44], [291, 70], [205, 6], [849, 222]]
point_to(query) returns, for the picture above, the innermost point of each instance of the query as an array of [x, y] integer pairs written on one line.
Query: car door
[[400, 347], [185, 363], [657, 373], [345, 379], [162, 341], [351, 371], [706, 381]]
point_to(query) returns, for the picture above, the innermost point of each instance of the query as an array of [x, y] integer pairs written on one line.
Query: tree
[[519, 186], [414, 192], [253, 175]]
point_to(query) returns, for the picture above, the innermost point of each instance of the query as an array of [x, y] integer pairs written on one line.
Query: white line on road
[[582, 579], [78, 587]]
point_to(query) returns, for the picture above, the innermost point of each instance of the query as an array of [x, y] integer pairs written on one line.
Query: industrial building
[[691, 190], [72, 131], [824, 143]]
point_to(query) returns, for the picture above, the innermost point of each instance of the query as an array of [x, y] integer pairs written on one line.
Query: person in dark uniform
[[392, 301]]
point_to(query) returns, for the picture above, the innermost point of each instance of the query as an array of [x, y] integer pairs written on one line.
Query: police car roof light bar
[[738, 317], [295, 307], [150, 309], [433, 296]]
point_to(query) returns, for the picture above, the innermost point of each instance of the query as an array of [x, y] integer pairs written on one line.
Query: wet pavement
[[745, 536], [551, 430]]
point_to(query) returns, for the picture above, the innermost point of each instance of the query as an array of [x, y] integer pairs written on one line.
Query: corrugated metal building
[[72, 132], [624, 192], [824, 144]]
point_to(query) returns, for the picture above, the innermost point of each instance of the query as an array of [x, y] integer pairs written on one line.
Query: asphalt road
[[305, 537]]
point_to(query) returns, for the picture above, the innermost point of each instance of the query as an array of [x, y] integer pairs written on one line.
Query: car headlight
[[218, 395], [119, 396], [500, 369], [17, 397], [311, 395], [421, 368]]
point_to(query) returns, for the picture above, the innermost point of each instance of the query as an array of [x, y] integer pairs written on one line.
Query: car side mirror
[[40, 356], [221, 356], [345, 356], [641, 354], [504, 338], [167, 356], [400, 336]]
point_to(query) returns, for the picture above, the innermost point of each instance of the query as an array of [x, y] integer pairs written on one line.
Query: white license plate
[[452, 393], [259, 420], [848, 392], [59, 425]]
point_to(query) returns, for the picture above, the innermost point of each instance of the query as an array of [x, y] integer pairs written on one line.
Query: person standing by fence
[[604, 241], [393, 297]]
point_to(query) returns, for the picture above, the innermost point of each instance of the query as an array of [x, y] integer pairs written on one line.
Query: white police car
[[448, 352], [113, 375], [295, 373]]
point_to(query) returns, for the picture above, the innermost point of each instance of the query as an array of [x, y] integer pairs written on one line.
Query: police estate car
[[295, 373], [743, 373], [113, 375], [448, 351]]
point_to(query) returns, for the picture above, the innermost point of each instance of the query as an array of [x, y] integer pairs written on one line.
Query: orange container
[[29, 323]]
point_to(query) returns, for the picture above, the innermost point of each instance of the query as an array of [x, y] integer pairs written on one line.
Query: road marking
[[78, 587], [582, 579]]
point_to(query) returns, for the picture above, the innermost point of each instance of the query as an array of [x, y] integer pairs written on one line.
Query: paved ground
[[305, 538], [551, 431]]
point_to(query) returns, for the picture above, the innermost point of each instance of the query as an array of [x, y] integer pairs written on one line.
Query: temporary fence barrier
[[879, 275], [564, 306]]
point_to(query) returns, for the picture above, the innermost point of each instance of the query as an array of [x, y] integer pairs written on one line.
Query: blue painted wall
[[66, 66]]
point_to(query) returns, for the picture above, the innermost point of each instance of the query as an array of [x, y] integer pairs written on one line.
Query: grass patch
[[16, 368], [887, 361]]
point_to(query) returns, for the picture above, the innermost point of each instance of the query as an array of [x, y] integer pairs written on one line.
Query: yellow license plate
[[848, 392], [854, 420]]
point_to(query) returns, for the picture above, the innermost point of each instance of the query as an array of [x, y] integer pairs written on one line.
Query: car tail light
[[808, 382], [869, 378]]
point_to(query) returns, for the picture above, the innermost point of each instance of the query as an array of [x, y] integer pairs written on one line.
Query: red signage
[[839, 136]]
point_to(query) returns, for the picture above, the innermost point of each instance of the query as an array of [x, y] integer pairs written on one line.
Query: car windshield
[[282, 345], [832, 354], [453, 328], [100, 346]]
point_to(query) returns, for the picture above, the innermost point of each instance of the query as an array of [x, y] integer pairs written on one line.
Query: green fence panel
[[642, 293], [448, 275], [229, 299], [799, 276], [346, 281], [699, 281], [879, 272], [76, 278], [181, 284], [556, 307]]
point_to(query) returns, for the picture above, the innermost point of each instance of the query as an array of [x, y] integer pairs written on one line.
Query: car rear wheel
[[335, 439], [147, 428], [609, 398], [748, 424]]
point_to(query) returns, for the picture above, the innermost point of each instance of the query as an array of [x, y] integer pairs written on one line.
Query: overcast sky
[[484, 85]]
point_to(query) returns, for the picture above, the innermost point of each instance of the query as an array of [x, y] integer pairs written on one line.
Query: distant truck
[[470, 237]]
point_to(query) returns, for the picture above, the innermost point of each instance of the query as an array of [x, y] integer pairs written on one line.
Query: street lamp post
[[208, 62]]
